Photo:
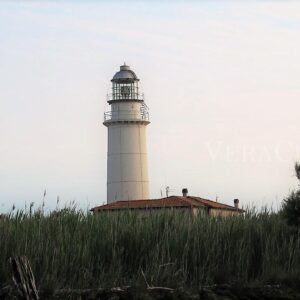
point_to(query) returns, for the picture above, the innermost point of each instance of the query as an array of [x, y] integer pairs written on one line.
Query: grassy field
[[76, 249]]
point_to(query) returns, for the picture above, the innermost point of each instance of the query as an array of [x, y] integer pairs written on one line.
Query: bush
[[291, 209], [297, 170], [291, 205]]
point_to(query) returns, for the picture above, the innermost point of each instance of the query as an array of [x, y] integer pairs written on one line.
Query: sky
[[221, 80]]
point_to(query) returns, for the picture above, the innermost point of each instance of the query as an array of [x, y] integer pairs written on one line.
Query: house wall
[[222, 212], [149, 211], [195, 211], [199, 211]]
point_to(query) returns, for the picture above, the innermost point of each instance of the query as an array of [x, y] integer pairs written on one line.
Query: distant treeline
[[75, 249]]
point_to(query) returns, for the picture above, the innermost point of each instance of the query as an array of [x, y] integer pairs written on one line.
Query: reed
[[75, 249]]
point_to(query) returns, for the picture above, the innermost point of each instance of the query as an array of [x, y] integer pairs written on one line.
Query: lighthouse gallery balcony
[[137, 113]]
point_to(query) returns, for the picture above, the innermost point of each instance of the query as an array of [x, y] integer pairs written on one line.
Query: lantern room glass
[[125, 91]]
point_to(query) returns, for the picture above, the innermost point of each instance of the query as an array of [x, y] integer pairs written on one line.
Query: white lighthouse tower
[[127, 166]]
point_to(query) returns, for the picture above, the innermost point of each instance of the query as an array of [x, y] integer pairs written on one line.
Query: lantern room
[[125, 86]]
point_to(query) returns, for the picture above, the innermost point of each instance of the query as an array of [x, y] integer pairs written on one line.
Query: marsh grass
[[75, 249]]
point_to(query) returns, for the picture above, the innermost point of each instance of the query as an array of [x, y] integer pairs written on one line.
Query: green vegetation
[[76, 249], [291, 205]]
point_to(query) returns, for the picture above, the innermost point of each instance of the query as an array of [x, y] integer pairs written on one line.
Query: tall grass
[[75, 249]]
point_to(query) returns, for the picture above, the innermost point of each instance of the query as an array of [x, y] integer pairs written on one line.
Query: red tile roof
[[168, 202]]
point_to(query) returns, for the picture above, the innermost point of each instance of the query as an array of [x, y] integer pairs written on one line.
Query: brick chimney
[[184, 192], [236, 203]]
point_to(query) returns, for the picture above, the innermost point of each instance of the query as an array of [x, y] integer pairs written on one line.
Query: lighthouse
[[127, 166]]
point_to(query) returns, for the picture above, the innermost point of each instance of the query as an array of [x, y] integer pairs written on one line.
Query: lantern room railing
[[125, 97]]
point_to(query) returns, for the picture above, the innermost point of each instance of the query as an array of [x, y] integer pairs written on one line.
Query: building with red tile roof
[[187, 203]]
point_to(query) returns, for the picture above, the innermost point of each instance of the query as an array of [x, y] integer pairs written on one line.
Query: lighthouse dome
[[125, 75]]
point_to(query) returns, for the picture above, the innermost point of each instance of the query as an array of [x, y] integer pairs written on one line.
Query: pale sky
[[221, 79]]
